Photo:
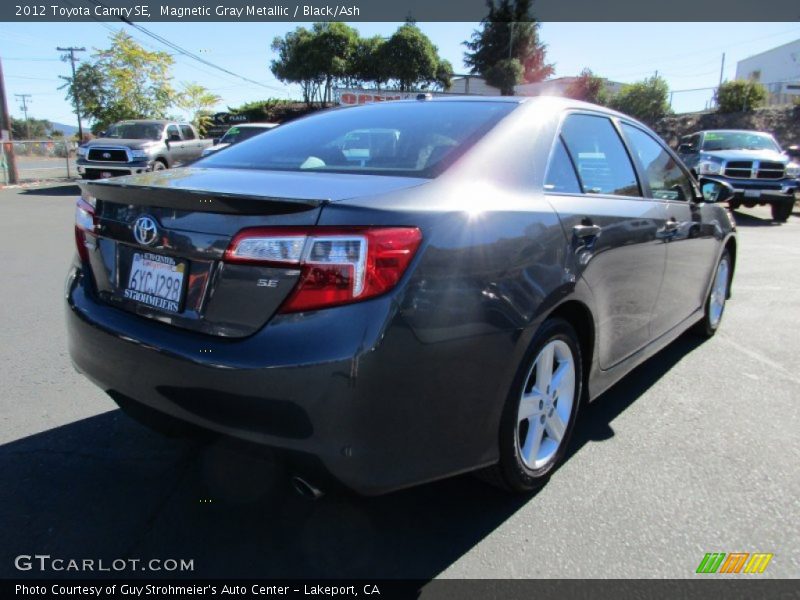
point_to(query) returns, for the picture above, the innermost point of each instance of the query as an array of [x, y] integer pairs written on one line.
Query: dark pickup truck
[[751, 162], [139, 146]]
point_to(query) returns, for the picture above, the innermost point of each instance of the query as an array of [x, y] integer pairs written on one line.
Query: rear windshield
[[416, 139]]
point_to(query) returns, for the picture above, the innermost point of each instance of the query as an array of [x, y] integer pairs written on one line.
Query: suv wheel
[[540, 412], [781, 211]]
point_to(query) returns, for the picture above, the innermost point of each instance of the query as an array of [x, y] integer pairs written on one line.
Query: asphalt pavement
[[696, 451]]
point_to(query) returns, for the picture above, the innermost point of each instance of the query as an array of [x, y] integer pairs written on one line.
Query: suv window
[[561, 175], [599, 155], [187, 132], [172, 130], [667, 180]]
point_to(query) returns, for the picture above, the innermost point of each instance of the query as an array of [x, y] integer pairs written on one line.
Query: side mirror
[[101, 134], [714, 190], [215, 142], [686, 149]]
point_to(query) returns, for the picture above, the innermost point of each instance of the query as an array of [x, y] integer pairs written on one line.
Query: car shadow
[[106, 488], [748, 220], [54, 190]]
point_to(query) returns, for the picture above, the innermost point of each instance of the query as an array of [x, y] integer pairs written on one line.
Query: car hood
[[770, 155], [127, 143], [269, 184]]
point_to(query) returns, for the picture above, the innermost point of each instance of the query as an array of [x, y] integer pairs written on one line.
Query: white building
[[777, 69]]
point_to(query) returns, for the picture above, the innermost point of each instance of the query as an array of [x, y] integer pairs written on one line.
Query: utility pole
[[5, 132], [72, 50], [24, 108], [721, 73]]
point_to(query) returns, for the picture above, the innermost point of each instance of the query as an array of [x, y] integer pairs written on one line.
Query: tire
[[717, 296], [550, 413], [159, 166], [781, 211], [733, 204]]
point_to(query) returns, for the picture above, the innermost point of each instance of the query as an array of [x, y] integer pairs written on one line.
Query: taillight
[[84, 223], [338, 266]]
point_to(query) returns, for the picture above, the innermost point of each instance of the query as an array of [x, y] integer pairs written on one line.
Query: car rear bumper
[[341, 388]]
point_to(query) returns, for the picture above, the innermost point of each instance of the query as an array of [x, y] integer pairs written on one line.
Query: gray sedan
[[395, 293]]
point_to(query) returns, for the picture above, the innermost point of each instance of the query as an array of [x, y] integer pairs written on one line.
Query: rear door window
[[561, 176], [187, 132], [603, 164]]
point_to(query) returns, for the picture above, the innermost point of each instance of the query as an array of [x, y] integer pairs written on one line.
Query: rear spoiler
[[196, 200]]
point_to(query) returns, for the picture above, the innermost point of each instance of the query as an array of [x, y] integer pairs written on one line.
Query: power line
[[187, 53]]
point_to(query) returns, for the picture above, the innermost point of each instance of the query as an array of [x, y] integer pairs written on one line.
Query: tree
[[197, 101], [507, 33], [411, 58], [444, 75], [315, 59], [124, 81], [505, 74], [367, 65], [30, 129], [739, 95], [645, 100], [589, 88]]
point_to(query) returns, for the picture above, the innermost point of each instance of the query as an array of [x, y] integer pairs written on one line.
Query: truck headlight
[[81, 151], [793, 170], [708, 167], [139, 154]]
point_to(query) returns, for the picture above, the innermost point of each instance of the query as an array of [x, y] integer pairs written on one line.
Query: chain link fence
[[39, 160]]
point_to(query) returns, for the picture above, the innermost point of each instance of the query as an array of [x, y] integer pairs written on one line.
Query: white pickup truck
[[139, 146]]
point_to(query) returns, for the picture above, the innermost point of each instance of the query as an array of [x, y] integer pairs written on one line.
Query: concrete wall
[[783, 123]]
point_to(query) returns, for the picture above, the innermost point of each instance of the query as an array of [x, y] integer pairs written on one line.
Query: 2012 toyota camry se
[[395, 293]]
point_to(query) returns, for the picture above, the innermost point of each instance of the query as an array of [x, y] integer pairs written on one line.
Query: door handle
[[586, 231]]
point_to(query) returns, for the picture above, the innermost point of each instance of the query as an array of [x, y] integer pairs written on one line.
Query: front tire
[[540, 411], [717, 296], [781, 211], [159, 166]]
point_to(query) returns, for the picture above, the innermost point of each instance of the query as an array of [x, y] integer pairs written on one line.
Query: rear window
[[416, 139]]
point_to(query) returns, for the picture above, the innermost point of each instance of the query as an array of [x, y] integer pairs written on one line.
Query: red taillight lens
[[338, 266], [84, 223]]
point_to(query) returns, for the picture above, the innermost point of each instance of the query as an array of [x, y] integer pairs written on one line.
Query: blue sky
[[688, 55]]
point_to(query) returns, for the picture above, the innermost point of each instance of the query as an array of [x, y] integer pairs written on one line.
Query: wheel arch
[[579, 315]]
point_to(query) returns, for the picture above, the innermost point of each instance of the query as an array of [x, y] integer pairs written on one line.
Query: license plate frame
[[139, 263], [752, 193]]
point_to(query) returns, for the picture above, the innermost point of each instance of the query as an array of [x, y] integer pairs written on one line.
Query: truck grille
[[740, 169], [770, 170], [107, 154], [748, 169]]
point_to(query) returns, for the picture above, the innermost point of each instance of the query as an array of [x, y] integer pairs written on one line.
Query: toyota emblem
[[145, 230], [106, 154]]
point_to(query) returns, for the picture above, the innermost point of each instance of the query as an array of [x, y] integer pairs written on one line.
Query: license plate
[[105, 174], [752, 193], [156, 281]]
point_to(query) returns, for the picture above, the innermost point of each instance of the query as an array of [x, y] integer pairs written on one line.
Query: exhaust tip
[[305, 489]]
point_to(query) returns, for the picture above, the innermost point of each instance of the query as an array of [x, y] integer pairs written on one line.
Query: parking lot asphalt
[[696, 451]]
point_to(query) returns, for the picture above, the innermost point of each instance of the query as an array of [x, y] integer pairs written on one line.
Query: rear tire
[[717, 296], [781, 211], [159, 166], [540, 411]]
